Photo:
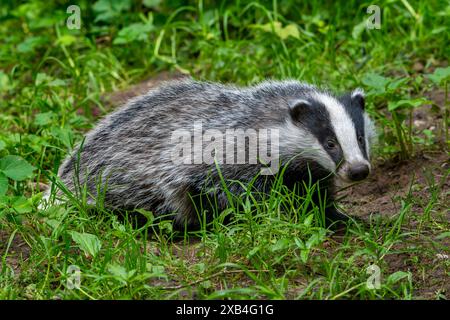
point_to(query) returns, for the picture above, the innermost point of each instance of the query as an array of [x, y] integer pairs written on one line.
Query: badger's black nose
[[358, 172]]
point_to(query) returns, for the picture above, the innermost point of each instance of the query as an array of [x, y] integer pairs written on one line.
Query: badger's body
[[130, 152]]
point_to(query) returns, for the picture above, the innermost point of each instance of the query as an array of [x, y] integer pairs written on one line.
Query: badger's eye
[[360, 139], [331, 144]]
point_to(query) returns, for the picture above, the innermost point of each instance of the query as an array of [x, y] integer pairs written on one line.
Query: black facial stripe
[[356, 114], [316, 120]]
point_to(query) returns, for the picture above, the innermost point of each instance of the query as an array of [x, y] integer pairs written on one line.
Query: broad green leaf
[[443, 235], [42, 78], [46, 242], [147, 214], [3, 184], [166, 226], [108, 9], [45, 79], [66, 40], [53, 223], [411, 103], [151, 3], [439, 29], [304, 255], [253, 251], [16, 168], [160, 270], [397, 276], [277, 28], [312, 241], [281, 244], [5, 84], [299, 243], [2, 145], [359, 29], [440, 75], [291, 30], [120, 273], [21, 204], [28, 10], [199, 267], [133, 32], [57, 83], [89, 243], [396, 83], [117, 270], [47, 21], [43, 119], [376, 82], [308, 220], [30, 44], [64, 135], [4, 201]]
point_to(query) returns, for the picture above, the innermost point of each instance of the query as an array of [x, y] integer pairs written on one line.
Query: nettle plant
[[393, 94], [441, 78]]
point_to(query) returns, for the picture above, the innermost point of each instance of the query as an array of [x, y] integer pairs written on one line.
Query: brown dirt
[[430, 271], [391, 180], [19, 250]]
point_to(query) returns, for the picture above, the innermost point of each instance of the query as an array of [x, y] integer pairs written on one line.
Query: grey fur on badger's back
[[131, 148]]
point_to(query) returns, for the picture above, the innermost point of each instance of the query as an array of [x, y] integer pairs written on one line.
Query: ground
[[57, 81]]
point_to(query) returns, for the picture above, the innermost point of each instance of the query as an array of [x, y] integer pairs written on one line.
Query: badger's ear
[[298, 107], [357, 97]]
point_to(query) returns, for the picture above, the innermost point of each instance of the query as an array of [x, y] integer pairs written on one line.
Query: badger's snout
[[358, 172], [352, 172]]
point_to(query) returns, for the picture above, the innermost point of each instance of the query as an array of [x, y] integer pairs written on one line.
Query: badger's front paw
[[335, 216]]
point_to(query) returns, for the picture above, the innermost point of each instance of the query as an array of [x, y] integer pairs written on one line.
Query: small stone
[[419, 123]]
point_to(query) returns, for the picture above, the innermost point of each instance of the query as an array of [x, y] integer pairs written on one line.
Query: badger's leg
[[206, 205], [333, 214]]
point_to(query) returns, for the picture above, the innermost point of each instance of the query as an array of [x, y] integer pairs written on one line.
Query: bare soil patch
[[18, 251], [391, 180]]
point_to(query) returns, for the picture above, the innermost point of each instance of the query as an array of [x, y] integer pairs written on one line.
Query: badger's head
[[335, 132]]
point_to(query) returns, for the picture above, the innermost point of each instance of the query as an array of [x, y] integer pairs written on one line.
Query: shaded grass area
[[55, 83]]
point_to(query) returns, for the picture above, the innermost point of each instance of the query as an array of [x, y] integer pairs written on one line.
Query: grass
[[53, 84]]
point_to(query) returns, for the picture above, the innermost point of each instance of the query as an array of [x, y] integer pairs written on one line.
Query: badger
[[162, 150]]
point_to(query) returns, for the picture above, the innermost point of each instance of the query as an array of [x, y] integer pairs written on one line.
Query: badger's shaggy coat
[[131, 149]]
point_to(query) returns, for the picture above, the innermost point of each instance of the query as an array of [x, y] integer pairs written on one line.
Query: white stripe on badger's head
[[369, 129], [343, 128], [370, 134], [358, 92], [345, 131]]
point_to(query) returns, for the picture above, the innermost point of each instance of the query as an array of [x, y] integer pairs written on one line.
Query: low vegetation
[[56, 82]]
